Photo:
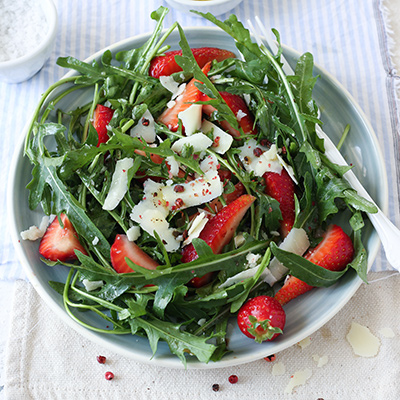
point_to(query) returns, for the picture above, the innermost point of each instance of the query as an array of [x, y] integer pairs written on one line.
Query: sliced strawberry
[[239, 191], [59, 243], [101, 118], [190, 95], [166, 65], [334, 252], [219, 229], [200, 281], [217, 206], [157, 159], [123, 247], [281, 187], [261, 318], [239, 108]]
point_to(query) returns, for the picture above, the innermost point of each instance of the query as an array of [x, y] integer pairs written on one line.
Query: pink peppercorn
[[270, 358], [101, 359], [109, 375], [233, 379]]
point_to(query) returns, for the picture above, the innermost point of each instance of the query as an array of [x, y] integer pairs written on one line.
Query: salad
[[191, 189]]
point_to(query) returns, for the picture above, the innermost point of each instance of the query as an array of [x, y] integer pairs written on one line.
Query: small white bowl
[[21, 69], [215, 7]]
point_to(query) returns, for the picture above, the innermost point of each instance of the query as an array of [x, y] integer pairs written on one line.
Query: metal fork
[[388, 233]]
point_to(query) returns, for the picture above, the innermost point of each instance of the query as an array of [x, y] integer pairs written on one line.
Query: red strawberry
[[219, 229], [239, 108], [200, 281], [123, 247], [239, 191], [217, 206], [166, 65], [59, 243], [281, 188], [190, 95], [261, 318], [334, 252], [101, 118]]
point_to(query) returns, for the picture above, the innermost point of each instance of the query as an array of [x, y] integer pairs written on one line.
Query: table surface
[[6, 287]]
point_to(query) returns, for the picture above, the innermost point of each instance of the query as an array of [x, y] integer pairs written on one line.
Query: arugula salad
[[191, 182]]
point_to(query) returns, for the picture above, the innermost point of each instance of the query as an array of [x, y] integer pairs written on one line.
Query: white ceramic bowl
[[215, 7], [22, 68], [305, 314]]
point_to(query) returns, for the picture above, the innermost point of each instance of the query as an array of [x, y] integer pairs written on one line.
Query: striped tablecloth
[[348, 38]]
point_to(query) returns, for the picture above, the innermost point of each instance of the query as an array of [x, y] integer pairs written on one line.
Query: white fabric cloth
[[46, 359]]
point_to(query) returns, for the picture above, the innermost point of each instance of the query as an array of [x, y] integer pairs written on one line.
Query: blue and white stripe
[[347, 38]]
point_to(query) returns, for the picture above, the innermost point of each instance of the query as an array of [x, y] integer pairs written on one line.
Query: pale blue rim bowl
[[306, 314]]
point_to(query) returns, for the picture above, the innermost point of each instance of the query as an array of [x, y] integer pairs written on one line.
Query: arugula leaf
[[360, 260], [179, 342], [308, 272]]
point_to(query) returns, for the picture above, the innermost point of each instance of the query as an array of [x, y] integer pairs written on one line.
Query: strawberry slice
[[59, 243], [123, 247], [217, 206], [281, 188], [239, 191], [239, 108], [101, 118], [334, 252], [190, 95], [166, 65], [219, 230]]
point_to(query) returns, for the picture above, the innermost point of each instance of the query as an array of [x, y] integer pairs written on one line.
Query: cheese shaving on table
[[321, 361], [363, 342], [297, 379]]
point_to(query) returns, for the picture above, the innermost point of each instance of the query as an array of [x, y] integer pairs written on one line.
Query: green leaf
[[267, 214], [202, 248], [359, 202], [180, 343], [305, 270], [360, 260]]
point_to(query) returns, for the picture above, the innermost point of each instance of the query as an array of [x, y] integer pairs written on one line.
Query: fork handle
[[388, 233]]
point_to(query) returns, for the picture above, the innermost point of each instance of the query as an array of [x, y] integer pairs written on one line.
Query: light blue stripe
[[321, 27]]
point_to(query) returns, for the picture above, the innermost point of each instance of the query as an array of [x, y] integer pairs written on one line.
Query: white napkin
[[46, 359]]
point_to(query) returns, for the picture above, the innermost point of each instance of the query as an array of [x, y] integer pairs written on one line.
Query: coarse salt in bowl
[[27, 35], [215, 7]]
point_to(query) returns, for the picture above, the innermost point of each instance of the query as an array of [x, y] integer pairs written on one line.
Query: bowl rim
[[50, 13], [174, 362], [204, 4]]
